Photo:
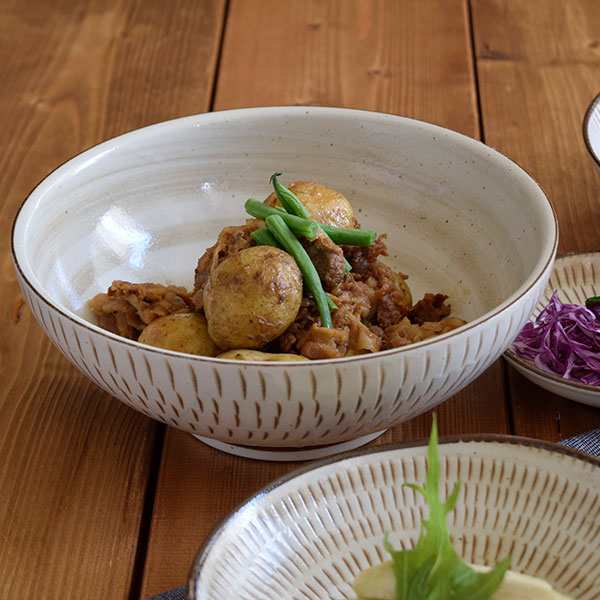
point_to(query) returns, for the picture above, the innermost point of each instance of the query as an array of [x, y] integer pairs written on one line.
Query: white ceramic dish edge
[[304, 490], [591, 129], [291, 404]]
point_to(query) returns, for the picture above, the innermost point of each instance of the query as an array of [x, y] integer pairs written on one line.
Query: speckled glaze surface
[[575, 277], [460, 218], [308, 536]]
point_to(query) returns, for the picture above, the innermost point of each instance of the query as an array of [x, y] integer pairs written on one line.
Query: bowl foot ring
[[286, 454]]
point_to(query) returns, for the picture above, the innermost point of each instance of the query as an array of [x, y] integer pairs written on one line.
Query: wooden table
[[97, 501]]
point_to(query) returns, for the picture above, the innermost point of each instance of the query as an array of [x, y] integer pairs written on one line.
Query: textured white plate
[[576, 278], [307, 536], [591, 128]]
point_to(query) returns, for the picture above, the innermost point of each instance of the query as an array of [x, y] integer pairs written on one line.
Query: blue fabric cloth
[[589, 442], [586, 442], [176, 594]]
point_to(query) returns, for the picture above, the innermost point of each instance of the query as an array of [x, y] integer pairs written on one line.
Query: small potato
[[256, 355], [181, 332], [324, 204], [252, 297]]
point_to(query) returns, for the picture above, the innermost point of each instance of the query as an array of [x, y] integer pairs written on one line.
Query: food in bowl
[[461, 219], [432, 569], [300, 280], [564, 339]]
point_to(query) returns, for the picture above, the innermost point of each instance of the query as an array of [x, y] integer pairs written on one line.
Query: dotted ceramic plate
[[307, 536], [575, 277]]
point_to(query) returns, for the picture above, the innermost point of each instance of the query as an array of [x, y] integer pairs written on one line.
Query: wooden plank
[[75, 462], [411, 58], [539, 414], [538, 65]]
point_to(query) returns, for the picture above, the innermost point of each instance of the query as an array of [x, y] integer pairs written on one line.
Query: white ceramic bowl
[[591, 128], [461, 219], [307, 536], [575, 278]]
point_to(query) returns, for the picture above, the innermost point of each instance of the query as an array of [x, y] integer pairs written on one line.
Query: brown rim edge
[[585, 126], [530, 366], [214, 535], [425, 343]]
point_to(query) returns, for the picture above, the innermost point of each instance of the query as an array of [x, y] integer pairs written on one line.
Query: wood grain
[[538, 64], [75, 463], [411, 58], [540, 414]]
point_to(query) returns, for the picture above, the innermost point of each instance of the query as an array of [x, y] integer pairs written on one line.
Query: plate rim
[[528, 365], [213, 537]]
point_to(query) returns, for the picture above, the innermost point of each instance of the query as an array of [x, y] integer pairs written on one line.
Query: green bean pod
[[301, 227], [263, 237], [288, 199], [290, 243], [349, 237], [306, 227]]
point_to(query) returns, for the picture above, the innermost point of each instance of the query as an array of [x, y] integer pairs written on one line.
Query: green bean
[[288, 199], [338, 235], [263, 237], [302, 227], [350, 237], [290, 243], [292, 204]]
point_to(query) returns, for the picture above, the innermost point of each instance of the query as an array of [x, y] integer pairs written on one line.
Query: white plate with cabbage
[[485, 518]]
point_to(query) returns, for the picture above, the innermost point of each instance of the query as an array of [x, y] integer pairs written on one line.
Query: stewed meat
[[405, 332], [363, 257], [323, 342], [328, 260], [128, 307], [432, 307], [374, 312]]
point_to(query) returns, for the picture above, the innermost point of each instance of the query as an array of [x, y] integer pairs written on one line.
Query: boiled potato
[[252, 297], [325, 205], [256, 355], [181, 332]]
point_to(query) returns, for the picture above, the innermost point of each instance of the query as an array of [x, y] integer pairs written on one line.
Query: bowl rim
[[585, 126], [217, 116], [213, 537]]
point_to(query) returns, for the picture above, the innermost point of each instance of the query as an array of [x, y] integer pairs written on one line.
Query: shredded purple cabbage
[[564, 339]]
